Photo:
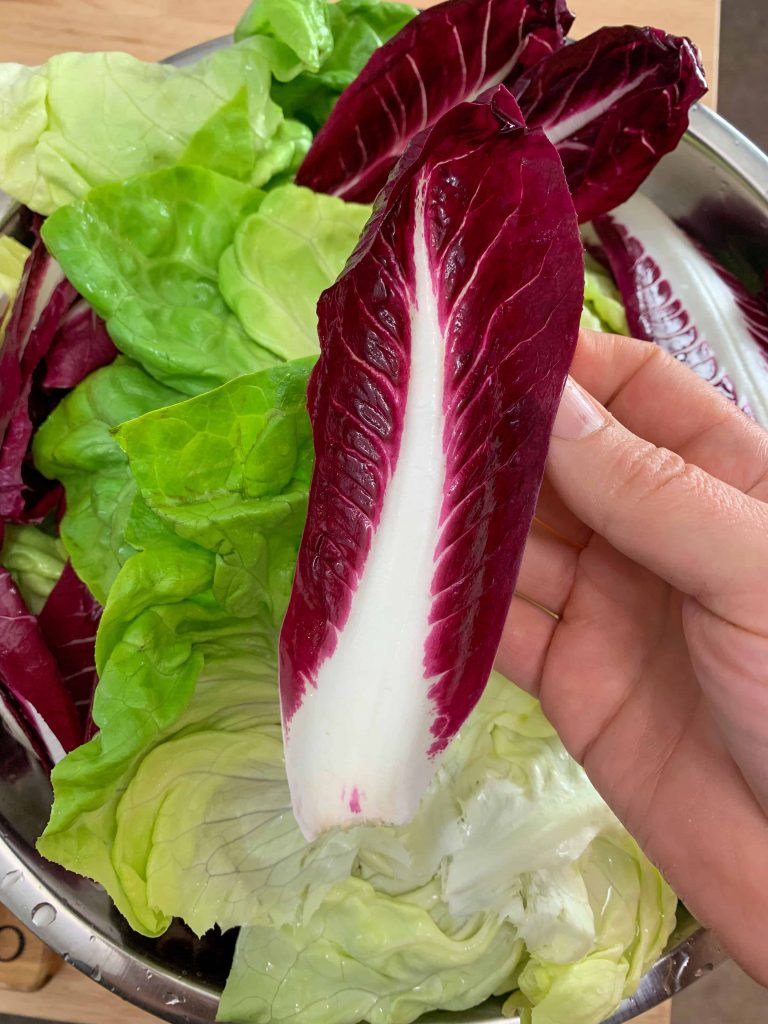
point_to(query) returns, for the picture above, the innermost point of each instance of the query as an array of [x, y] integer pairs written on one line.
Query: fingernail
[[579, 414]]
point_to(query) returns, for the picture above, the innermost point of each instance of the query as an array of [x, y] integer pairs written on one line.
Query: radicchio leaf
[[68, 621], [679, 297], [44, 296], [450, 53], [81, 345], [613, 104], [32, 693], [445, 345]]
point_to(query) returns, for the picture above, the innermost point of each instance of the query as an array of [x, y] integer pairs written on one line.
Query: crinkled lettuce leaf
[[282, 257], [35, 560], [83, 120], [301, 25], [569, 923], [367, 956], [76, 445], [185, 609], [357, 28], [201, 278], [603, 307], [145, 255]]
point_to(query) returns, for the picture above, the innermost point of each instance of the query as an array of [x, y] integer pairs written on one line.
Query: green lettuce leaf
[[358, 28], [83, 120], [367, 956], [76, 445], [282, 257], [35, 560], [632, 909], [603, 308], [186, 611], [145, 254], [302, 25]]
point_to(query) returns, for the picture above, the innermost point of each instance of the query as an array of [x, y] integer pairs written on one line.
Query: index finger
[[661, 400]]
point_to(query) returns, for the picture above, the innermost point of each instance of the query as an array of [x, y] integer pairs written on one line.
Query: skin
[[650, 546]]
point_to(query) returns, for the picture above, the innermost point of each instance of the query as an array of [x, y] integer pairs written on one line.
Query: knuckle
[[644, 472]]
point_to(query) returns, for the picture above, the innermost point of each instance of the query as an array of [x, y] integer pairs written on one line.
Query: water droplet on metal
[[96, 973], [11, 878], [43, 915], [171, 999], [150, 975]]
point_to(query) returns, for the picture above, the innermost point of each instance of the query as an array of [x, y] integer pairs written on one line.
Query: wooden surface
[[25, 963], [33, 30]]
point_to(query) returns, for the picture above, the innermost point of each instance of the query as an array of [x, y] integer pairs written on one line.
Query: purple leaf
[[679, 297], [445, 344], [44, 296], [81, 345], [450, 53], [68, 622], [32, 693], [613, 103]]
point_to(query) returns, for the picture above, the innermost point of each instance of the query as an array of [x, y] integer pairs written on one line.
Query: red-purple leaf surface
[[613, 103], [450, 53], [31, 690], [445, 344], [679, 297], [44, 296], [68, 621], [81, 345]]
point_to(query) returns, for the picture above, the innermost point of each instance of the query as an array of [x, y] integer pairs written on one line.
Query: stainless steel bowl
[[717, 183]]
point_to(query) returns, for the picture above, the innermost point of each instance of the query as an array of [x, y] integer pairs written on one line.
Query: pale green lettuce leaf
[[76, 445], [367, 956], [83, 120], [145, 254], [13, 256], [633, 912], [603, 308], [282, 257], [183, 610], [358, 28], [35, 560]]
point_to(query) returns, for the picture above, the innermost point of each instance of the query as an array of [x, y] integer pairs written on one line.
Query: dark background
[[743, 97]]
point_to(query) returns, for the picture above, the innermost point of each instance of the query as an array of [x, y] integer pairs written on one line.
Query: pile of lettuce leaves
[[186, 460]]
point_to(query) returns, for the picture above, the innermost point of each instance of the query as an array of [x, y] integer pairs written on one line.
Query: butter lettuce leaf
[[76, 445], [281, 259], [145, 255], [358, 28], [186, 609], [85, 119], [35, 560]]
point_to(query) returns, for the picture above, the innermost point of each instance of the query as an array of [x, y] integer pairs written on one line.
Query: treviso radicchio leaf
[[678, 296], [80, 346], [34, 702], [445, 345], [613, 104], [68, 621], [43, 296], [450, 53]]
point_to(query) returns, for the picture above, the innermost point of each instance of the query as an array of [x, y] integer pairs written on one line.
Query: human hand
[[654, 668]]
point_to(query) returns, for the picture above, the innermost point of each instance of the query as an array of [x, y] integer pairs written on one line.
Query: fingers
[[701, 535], [548, 569], [525, 641], [661, 400]]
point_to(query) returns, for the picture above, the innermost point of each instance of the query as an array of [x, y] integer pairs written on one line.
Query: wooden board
[[33, 30], [25, 963]]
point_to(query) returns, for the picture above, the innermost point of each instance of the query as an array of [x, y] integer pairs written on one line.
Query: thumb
[[704, 537]]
